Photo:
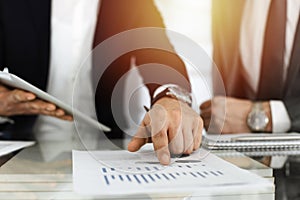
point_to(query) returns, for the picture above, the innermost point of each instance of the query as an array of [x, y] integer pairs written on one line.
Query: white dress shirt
[[251, 46], [73, 24]]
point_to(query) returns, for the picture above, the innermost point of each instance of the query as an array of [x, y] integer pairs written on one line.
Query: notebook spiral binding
[[254, 148]]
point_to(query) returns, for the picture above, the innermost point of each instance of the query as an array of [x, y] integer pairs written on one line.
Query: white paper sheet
[[123, 173], [7, 147], [16, 82]]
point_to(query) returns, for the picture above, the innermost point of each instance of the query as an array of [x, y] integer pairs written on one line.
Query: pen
[[177, 161], [149, 139], [146, 108]]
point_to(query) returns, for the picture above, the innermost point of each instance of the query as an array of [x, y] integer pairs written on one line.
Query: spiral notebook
[[288, 142]]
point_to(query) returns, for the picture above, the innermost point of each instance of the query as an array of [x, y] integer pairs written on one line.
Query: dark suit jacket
[[25, 42], [226, 19], [24, 49]]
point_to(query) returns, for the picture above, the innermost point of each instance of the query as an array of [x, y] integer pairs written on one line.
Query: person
[[41, 41], [256, 47]]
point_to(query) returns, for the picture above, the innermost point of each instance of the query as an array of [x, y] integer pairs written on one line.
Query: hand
[[173, 127], [228, 115], [19, 102]]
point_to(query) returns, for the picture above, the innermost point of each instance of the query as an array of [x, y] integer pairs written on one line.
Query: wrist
[[267, 109]]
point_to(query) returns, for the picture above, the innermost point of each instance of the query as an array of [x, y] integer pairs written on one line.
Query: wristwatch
[[175, 92], [257, 119]]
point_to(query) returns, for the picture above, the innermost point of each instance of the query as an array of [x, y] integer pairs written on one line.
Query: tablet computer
[[14, 81]]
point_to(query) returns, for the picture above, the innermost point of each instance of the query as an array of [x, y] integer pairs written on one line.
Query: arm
[[165, 120], [172, 125], [149, 16], [1, 41]]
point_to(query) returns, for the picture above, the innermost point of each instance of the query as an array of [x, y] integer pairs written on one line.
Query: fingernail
[[50, 108], [60, 113], [30, 97], [70, 118], [165, 159]]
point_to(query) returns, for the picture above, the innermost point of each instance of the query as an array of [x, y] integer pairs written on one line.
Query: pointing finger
[[160, 143]]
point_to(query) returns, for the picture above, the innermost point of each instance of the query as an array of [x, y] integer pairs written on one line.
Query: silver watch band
[[175, 92]]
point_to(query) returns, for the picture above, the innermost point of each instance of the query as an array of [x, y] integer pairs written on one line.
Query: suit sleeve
[[292, 88], [292, 105], [174, 71], [291, 99], [1, 40], [118, 16]]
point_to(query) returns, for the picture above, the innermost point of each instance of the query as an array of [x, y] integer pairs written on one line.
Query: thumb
[[136, 143], [140, 138]]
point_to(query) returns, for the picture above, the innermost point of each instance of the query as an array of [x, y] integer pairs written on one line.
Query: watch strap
[[181, 95], [159, 96]]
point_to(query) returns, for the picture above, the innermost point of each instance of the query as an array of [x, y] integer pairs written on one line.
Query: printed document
[[108, 173]]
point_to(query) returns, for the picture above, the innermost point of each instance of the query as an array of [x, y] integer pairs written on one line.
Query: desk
[[44, 171]]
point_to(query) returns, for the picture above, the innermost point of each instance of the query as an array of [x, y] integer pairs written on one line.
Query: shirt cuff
[[277, 162], [281, 121]]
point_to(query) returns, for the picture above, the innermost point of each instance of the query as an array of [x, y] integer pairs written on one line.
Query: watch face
[[257, 121]]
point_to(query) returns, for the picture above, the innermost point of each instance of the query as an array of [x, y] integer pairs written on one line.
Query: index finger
[[160, 143]]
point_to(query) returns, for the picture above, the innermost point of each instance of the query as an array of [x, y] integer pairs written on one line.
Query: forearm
[[165, 66]]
